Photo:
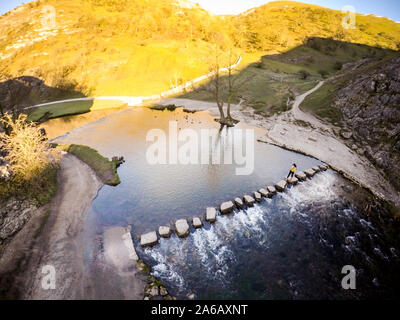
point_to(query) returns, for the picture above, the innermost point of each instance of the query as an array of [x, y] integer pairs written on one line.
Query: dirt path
[[61, 242]]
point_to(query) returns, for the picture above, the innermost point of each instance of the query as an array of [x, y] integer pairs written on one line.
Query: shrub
[[26, 149], [304, 74], [338, 65], [323, 73]]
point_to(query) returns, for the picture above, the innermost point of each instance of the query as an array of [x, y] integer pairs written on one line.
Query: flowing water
[[292, 246]]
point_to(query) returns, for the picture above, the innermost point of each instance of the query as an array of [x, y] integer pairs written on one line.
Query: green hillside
[[142, 47]]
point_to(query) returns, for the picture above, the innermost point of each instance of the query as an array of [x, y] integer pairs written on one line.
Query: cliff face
[[370, 108]]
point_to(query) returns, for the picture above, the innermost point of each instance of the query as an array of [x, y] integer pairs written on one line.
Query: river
[[292, 246]]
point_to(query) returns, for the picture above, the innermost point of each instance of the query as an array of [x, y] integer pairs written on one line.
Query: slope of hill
[[143, 47], [281, 25]]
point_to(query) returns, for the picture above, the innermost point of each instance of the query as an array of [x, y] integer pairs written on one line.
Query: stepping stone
[[197, 222], [264, 193], [309, 172], [281, 185], [323, 167], [301, 176], [293, 180], [316, 169], [148, 239], [182, 228], [271, 190], [211, 214], [164, 231], [257, 196], [226, 207], [249, 200], [239, 203]]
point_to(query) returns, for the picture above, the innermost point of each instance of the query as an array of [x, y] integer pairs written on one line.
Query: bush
[[26, 149], [338, 65], [304, 74], [323, 73], [33, 162]]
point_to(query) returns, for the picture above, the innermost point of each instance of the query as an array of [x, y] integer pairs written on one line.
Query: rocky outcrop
[[13, 216], [369, 102]]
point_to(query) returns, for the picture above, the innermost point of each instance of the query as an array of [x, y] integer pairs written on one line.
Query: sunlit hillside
[[142, 47]]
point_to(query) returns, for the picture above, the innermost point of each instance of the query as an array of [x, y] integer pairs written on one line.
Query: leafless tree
[[224, 89]]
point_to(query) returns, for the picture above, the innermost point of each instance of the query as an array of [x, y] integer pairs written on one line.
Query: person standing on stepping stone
[[292, 171]]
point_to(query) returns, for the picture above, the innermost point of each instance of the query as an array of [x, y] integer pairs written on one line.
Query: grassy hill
[[142, 47], [275, 78]]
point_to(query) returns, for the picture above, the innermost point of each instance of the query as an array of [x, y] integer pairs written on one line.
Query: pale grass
[[29, 153]]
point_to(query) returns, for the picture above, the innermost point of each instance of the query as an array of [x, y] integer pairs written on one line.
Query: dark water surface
[[292, 246]]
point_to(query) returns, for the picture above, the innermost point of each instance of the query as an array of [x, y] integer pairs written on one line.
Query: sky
[[385, 8]]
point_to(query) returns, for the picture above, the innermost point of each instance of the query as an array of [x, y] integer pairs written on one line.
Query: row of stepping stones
[[182, 228]]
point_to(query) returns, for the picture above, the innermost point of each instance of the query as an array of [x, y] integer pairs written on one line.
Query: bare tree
[[224, 89]]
